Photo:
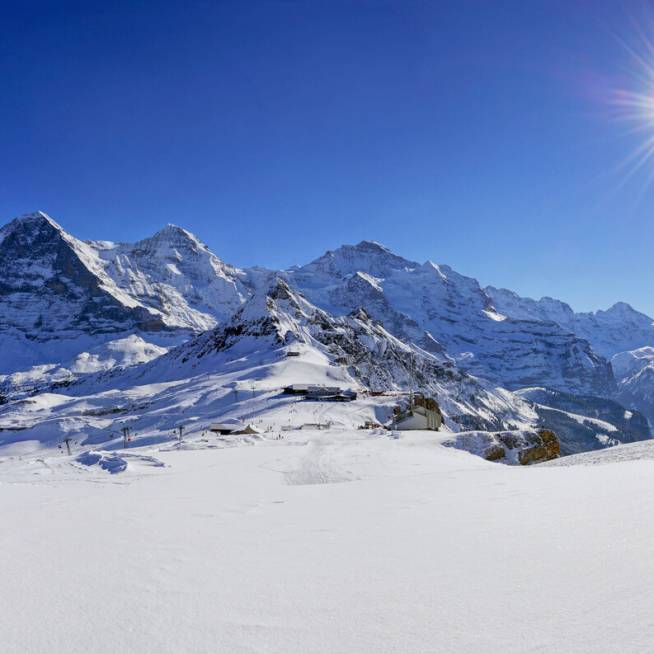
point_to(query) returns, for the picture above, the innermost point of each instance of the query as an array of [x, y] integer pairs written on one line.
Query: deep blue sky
[[476, 134]]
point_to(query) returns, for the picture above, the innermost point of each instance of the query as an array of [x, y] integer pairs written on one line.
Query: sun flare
[[633, 99]]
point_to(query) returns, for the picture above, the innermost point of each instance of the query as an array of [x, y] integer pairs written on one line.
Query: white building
[[424, 413]]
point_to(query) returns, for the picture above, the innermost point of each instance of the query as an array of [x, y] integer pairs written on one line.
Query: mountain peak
[[34, 219], [172, 238], [366, 256], [171, 228], [372, 246], [35, 216], [621, 307], [31, 225], [171, 231], [623, 313]]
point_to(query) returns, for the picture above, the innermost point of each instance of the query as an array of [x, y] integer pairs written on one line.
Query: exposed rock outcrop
[[517, 447], [545, 448]]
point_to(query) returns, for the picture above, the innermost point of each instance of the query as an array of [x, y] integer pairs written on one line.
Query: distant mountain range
[[92, 315]]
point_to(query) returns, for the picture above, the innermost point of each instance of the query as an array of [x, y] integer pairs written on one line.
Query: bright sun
[[633, 102]]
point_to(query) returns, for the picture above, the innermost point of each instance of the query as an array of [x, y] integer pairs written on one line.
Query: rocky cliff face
[[49, 285]]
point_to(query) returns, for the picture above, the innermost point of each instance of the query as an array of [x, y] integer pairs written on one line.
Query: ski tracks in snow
[[321, 460]]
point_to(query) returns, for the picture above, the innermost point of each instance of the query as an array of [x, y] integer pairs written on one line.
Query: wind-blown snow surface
[[325, 542]]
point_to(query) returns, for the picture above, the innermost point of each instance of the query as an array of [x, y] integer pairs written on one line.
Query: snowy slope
[[238, 370], [631, 452], [326, 542], [121, 352]]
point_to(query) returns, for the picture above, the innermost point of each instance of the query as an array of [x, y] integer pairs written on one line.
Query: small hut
[[226, 428], [422, 413]]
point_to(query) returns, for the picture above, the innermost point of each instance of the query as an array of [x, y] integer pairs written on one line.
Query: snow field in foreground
[[325, 542]]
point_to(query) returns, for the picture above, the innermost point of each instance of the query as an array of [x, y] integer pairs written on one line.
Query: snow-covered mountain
[[172, 284], [55, 298], [60, 296], [175, 275], [635, 371], [239, 369], [618, 329], [98, 334], [441, 310], [586, 423], [626, 364], [620, 333]]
